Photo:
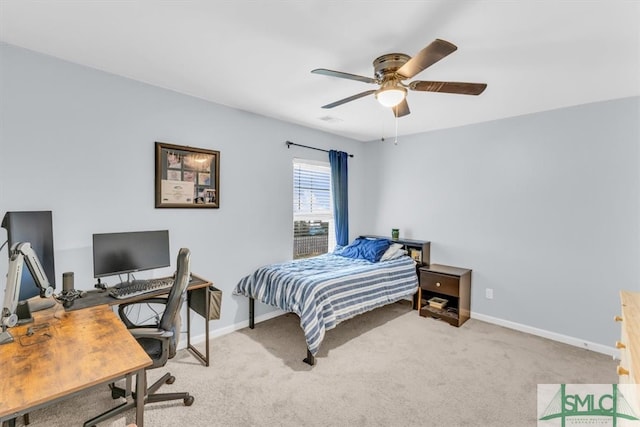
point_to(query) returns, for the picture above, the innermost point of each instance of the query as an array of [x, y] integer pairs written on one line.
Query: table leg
[[204, 358], [189, 319], [206, 322], [141, 395]]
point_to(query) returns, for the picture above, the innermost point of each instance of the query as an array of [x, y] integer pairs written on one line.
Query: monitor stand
[[25, 308], [128, 282]]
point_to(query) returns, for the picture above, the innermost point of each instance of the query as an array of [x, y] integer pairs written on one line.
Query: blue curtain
[[340, 190]]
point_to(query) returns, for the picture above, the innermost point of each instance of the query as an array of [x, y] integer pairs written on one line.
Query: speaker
[[68, 294], [67, 281]]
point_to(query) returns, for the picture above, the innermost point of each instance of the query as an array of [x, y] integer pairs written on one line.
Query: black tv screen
[[117, 253], [35, 227]]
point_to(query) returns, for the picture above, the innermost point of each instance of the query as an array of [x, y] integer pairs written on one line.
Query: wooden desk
[[94, 298], [67, 353]]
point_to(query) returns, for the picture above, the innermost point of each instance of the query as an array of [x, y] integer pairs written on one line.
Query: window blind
[[313, 224], [311, 189]]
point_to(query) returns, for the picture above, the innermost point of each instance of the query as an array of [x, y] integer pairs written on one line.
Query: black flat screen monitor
[[118, 253], [35, 227]]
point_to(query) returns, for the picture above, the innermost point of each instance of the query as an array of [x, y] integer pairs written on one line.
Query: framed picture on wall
[[187, 177]]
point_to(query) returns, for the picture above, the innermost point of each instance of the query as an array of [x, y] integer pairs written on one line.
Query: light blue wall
[[80, 142], [544, 208]]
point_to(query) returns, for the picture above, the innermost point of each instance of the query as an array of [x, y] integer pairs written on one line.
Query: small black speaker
[[67, 281]]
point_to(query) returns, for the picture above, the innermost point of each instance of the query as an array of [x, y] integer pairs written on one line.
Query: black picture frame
[[187, 177]]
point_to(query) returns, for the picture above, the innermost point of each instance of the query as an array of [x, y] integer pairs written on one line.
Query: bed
[[328, 289]]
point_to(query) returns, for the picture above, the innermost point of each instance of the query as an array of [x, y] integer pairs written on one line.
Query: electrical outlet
[[488, 293]]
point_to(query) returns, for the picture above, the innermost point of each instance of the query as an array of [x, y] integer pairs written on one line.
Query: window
[[313, 225]]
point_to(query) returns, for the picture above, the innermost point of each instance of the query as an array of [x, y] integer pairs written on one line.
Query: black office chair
[[158, 340]]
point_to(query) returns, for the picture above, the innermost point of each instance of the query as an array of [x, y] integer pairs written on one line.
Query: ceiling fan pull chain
[[396, 141]]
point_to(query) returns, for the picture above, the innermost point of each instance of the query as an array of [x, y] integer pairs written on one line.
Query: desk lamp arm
[[21, 253]]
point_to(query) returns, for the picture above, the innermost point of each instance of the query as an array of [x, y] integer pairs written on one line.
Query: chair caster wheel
[[171, 380], [116, 392], [188, 401]]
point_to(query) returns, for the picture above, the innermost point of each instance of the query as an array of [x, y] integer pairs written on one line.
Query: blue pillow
[[369, 249]]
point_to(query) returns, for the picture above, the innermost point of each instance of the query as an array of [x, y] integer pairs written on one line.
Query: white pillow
[[398, 254], [394, 251]]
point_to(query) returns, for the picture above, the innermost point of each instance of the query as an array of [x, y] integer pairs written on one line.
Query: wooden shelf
[[448, 316], [423, 246]]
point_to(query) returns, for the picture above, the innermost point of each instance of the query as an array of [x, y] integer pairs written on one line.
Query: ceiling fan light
[[391, 96]]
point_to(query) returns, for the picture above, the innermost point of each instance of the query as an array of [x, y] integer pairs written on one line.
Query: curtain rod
[[289, 144]]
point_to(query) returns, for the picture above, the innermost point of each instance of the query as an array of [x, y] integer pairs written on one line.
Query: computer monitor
[[129, 252], [35, 227]]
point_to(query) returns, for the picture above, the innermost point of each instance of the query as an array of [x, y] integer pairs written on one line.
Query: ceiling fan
[[391, 69]]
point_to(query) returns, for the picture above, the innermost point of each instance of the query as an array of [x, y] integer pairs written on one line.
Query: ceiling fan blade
[[342, 75], [449, 87], [428, 56], [349, 99], [401, 109]]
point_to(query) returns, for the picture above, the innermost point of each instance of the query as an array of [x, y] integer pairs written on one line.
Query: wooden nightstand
[[449, 283]]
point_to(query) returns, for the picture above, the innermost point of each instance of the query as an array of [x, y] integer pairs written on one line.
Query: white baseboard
[[588, 345], [576, 342], [215, 333]]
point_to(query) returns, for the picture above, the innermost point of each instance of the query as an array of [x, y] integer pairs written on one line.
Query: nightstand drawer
[[440, 283]]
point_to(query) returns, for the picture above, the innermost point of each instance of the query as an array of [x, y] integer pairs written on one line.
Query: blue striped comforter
[[327, 289]]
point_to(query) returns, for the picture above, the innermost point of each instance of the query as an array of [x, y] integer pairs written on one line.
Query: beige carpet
[[388, 367]]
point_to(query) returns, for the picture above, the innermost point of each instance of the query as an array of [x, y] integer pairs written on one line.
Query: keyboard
[[141, 287]]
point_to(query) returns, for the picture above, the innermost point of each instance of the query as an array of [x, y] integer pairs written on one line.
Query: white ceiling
[[257, 55]]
